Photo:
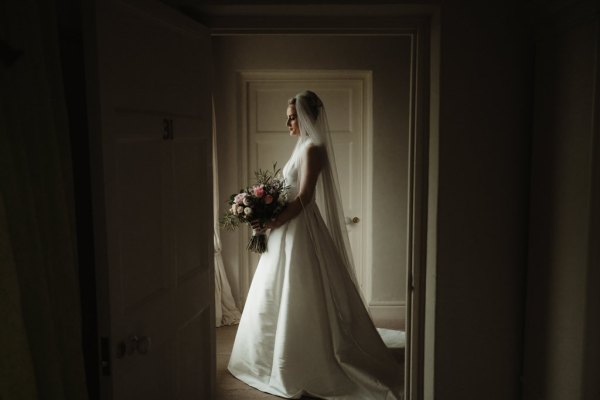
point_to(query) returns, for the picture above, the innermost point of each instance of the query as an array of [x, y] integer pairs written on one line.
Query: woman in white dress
[[305, 330]]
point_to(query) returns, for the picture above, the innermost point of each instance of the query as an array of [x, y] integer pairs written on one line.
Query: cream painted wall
[[388, 58]]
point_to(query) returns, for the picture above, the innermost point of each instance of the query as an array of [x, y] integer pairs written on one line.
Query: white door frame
[[422, 25]]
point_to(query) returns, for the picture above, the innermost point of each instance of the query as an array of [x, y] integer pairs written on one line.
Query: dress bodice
[[291, 172], [292, 180]]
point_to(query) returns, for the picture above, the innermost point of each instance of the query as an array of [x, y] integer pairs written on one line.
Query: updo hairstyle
[[311, 100]]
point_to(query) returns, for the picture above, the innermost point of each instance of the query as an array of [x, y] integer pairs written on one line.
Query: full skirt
[[304, 329]]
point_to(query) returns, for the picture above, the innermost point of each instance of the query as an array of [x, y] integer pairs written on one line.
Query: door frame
[[422, 24]]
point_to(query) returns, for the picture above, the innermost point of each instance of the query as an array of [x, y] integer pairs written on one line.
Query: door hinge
[[105, 356]]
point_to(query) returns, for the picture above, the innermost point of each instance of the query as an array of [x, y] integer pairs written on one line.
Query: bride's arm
[[311, 167]]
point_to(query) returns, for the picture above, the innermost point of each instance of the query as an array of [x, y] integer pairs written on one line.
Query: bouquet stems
[[258, 242]]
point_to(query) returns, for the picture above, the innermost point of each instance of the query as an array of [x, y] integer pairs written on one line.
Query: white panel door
[[151, 139], [269, 140]]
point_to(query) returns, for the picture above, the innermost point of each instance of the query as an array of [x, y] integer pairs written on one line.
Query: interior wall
[[561, 283], [388, 58], [482, 206]]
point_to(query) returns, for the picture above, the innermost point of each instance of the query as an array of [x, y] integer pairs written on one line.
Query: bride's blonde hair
[[312, 101]]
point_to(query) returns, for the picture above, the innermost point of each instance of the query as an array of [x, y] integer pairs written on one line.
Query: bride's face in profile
[[292, 121]]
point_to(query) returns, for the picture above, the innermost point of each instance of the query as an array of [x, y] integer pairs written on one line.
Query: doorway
[[160, 17], [248, 85], [393, 234]]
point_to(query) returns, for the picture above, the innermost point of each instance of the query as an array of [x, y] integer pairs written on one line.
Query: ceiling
[[227, 15]]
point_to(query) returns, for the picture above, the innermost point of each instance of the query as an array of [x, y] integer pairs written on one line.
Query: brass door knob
[[355, 220]]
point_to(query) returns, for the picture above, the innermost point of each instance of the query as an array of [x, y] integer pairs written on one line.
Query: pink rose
[[268, 199], [259, 191], [239, 198]]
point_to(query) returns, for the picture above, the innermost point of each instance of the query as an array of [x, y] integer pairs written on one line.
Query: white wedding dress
[[304, 329]]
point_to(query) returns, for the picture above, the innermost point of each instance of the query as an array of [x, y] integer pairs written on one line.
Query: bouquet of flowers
[[262, 201]]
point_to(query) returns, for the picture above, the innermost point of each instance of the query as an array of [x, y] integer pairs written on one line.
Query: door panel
[[142, 267], [153, 213], [195, 374], [189, 173]]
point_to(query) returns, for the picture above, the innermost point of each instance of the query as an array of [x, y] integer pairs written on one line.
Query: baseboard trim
[[389, 316]]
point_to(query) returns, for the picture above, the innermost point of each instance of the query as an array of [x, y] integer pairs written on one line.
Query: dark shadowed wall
[[484, 141], [561, 348]]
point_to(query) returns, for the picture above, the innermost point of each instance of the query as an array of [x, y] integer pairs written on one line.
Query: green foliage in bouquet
[[262, 201]]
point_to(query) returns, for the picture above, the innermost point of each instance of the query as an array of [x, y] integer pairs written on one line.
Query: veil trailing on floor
[[314, 129]]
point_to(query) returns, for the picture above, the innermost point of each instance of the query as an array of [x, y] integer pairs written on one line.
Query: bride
[[305, 330]]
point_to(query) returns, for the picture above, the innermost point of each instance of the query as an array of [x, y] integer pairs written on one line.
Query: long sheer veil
[[315, 130]]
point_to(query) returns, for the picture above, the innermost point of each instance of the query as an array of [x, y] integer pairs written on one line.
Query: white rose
[[247, 211], [240, 209]]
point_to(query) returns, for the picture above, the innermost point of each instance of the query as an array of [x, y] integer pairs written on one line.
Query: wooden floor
[[228, 387]]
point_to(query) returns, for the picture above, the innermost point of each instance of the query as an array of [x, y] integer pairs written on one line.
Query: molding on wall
[[386, 316], [388, 26], [273, 18], [386, 303], [242, 126]]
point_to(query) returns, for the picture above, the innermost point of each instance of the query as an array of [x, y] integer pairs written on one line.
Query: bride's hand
[[257, 226]]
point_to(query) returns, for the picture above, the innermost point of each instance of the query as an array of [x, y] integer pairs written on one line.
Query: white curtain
[[227, 312]]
